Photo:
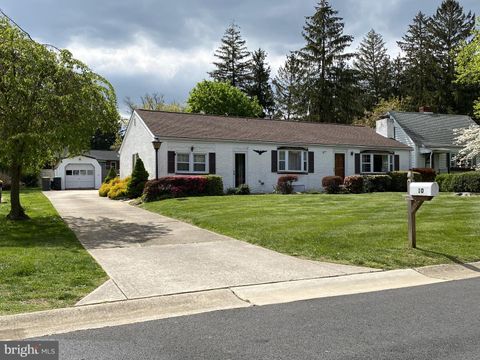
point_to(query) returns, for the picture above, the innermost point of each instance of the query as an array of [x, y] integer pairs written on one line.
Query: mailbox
[[424, 189]]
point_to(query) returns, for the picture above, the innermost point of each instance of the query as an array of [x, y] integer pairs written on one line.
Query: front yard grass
[[365, 229], [42, 264]]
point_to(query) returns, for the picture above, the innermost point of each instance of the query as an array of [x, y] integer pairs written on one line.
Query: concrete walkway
[[147, 255]]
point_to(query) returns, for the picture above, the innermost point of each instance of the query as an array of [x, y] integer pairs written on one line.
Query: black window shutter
[[274, 161], [396, 163], [449, 158], [357, 163], [171, 162], [311, 162], [211, 163]]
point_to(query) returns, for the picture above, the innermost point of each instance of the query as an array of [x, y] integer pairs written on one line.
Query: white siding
[[138, 140], [392, 129], [79, 160], [258, 167]]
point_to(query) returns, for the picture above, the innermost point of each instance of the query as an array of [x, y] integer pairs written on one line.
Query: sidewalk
[[121, 312]]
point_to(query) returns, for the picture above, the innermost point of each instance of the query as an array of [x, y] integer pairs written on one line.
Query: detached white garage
[[80, 172]]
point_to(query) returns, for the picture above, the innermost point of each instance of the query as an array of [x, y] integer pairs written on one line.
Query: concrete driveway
[[146, 254]]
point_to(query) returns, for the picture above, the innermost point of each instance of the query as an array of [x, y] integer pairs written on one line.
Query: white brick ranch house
[[256, 151]]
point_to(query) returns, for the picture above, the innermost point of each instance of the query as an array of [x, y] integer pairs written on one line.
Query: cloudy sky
[[167, 46]]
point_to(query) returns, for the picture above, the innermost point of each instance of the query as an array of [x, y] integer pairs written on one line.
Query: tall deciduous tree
[[468, 65], [448, 28], [373, 65], [50, 104], [221, 98], [234, 63], [154, 101], [289, 84], [468, 73], [323, 57], [419, 62], [259, 84]]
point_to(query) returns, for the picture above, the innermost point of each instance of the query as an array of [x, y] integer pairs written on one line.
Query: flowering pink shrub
[[180, 186], [285, 184]]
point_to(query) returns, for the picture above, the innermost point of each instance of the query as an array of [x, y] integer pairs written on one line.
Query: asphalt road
[[440, 321]]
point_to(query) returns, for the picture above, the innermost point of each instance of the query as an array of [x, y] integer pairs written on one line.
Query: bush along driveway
[[365, 229], [42, 264]]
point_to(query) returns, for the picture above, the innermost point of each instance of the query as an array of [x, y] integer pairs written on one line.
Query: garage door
[[80, 176]]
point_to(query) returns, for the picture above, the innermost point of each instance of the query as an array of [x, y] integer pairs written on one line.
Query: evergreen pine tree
[[323, 57], [259, 85], [137, 181], [112, 174], [233, 63], [290, 101], [397, 66], [448, 29], [373, 65], [419, 62]]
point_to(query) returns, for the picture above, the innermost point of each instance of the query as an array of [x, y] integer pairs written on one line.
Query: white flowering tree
[[469, 138], [468, 72]]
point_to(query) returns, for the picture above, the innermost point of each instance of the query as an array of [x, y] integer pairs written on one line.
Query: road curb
[[22, 326]]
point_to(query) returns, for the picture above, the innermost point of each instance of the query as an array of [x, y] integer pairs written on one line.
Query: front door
[[340, 165], [239, 169]]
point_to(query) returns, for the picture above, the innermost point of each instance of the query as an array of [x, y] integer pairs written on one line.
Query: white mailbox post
[[418, 192]]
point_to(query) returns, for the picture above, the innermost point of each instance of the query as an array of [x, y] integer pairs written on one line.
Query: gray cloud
[[167, 46]]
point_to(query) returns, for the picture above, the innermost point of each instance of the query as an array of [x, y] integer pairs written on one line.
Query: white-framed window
[[199, 163], [183, 162], [135, 157], [293, 160], [191, 163], [377, 163]]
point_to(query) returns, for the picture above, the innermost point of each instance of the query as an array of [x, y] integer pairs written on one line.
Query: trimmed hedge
[[377, 183], [353, 184], [428, 174], [331, 184], [107, 186], [462, 182], [285, 184], [181, 186], [214, 186], [399, 180], [119, 189]]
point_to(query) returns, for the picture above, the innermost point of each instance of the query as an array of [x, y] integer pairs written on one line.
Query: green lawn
[[42, 264], [366, 229]]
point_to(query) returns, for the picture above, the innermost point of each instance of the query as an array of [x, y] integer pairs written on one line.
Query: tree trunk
[[16, 210]]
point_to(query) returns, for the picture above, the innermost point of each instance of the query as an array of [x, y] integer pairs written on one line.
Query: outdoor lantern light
[[156, 145]]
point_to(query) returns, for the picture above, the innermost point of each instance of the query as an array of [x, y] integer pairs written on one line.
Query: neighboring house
[[256, 151], [430, 136], [86, 171], [108, 159]]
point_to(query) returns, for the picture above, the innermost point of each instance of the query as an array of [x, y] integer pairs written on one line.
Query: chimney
[[385, 127], [425, 109]]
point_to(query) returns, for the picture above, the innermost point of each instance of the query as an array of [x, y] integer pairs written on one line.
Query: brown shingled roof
[[210, 127]]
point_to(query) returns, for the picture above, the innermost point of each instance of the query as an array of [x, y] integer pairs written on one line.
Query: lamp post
[[156, 145]]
